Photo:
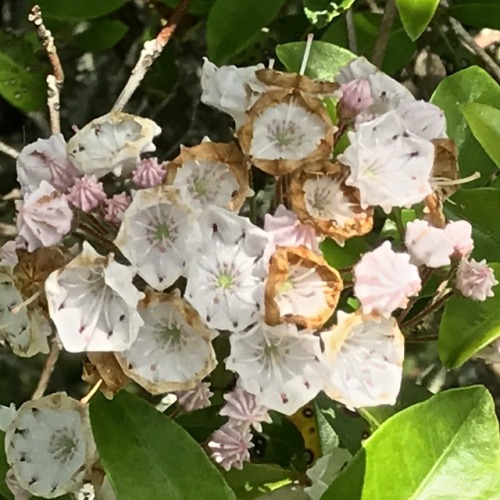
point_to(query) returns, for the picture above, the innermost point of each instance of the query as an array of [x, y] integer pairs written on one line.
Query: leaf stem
[[48, 369], [384, 32], [434, 306]]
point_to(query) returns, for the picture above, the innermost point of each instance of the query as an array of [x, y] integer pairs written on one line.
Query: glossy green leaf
[[416, 15], [321, 12], [255, 479], [339, 257], [469, 85], [77, 9], [101, 34], [477, 13], [484, 122], [147, 455], [4, 467], [232, 26], [325, 59], [440, 448], [480, 207], [400, 48], [468, 325], [201, 423]]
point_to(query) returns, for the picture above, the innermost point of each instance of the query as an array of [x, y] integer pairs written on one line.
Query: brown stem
[[426, 274], [434, 306], [384, 32], [421, 338], [48, 369], [91, 393], [56, 80], [352, 40], [150, 52]]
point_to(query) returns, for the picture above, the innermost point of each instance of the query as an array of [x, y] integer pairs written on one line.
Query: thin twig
[[92, 391], [426, 274], [48, 369], [9, 151], [468, 41], [421, 338], [352, 39], [384, 32], [56, 80], [150, 52], [434, 306]]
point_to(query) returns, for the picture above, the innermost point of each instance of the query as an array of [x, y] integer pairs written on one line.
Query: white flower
[[243, 409], [475, 279], [49, 445], [364, 356], [229, 446], [423, 119], [44, 217], [158, 235], [196, 398], [278, 364], [173, 349], [384, 280], [45, 160], [226, 277], [93, 303], [387, 93], [112, 143], [228, 88], [390, 166]]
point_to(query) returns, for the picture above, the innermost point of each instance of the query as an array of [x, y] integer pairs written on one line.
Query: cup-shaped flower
[[43, 218], [475, 279], [364, 356], [210, 174], [45, 160], [173, 349], [112, 143], [87, 193], [229, 446], [321, 199], [278, 364], [301, 288], [384, 280], [423, 119], [284, 129], [158, 235], [390, 166], [93, 303], [49, 445]]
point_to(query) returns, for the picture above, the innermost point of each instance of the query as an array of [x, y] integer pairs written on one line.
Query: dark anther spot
[[33, 480], [81, 148], [413, 154], [235, 324], [21, 432], [307, 412], [215, 228], [406, 134], [312, 430], [208, 319], [122, 317]]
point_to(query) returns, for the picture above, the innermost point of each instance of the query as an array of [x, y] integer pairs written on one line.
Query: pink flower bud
[[87, 193], [115, 207], [148, 173], [475, 279], [356, 97]]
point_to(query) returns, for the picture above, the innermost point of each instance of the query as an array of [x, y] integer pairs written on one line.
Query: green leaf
[[325, 59], [339, 257], [232, 26], [77, 9], [468, 325], [255, 479], [479, 206], [400, 48], [484, 122], [441, 448], [416, 15], [477, 13], [101, 34], [469, 85], [4, 467], [321, 12], [201, 423], [147, 455], [197, 7]]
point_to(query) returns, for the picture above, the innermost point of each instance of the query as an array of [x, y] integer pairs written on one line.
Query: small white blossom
[[112, 143], [364, 356], [49, 445], [278, 364], [423, 119], [93, 303], [229, 446], [173, 349], [390, 166], [158, 235]]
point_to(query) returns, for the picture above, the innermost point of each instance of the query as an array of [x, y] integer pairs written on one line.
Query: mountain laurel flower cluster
[[162, 270]]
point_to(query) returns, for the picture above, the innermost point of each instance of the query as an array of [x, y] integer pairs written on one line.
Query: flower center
[[284, 134], [200, 186], [170, 333], [270, 350], [62, 446], [162, 232], [286, 286], [225, 281]]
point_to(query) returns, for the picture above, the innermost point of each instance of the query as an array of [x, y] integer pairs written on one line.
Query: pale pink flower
[[423, 119], [475, 279], [356, 97], [427, 244], [87, 193], [288, 231], [459, 234], [243, 409], [44, 217], [45, 160], [196, 398], [114, 207], [148, 173], [384, 279], [230, 446]]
